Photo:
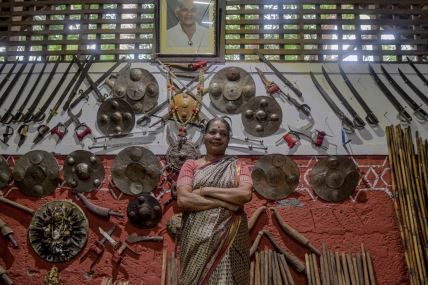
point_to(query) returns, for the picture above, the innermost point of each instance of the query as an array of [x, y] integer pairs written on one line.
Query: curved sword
[[347, 123], [419, 112], [415, 89], [371, 117], [358, 122], [421, 76], [402, 113]]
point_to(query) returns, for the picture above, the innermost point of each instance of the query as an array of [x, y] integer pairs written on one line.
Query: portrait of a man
[[187, 27]]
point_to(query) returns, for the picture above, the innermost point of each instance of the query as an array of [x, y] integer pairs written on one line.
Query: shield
[[58, 231], [334, 178], [262, 116], [115, 117], [138, 87], [275, 176], [230, 89], [136, 170], [144, 211], [83, 171], [36, 173]]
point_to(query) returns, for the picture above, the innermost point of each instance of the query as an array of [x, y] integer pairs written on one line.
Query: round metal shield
[[83, 171], [178, 153], [262, 116], [275, 176], [138, 87], [36, 173], [58, 231], [334, 178], [4, 172], [136, 170], [115, 117], [144, 211], [230, 89]]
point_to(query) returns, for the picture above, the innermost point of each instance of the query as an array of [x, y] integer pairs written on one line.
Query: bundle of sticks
[[409, 172], [109, 281], [270, 267], [340, 268], [169, 269]]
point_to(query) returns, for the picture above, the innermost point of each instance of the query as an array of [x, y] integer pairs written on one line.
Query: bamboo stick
[[333, 268], [257, 273], [276, 271], [327, 265], [360, 268], [308, 270], [351, 269], [315, 267], [256, 243], [340, 278], [282, 270], [262, 267], [266, 269], [365, 267], [287, 270], [252, 273], [345, 269], [322, 269], [357, 275], [163, 274], [371, 271]]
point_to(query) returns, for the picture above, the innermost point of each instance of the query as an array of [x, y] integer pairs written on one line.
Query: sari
[[214, 243]]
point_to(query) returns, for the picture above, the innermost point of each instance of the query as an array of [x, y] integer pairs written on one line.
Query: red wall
[[368, 218]]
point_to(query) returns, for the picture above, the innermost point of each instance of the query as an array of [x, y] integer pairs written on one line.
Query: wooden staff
[[351, 269], [326, 265], [252, 273], [287, 270], [315, 267], [252, 221], [308, 270], [282, 270], [266, 269], [365, 267], [256, 243], [277, 271], [257, 271], [354, 264], [289, 230], [270, 267], [345, 269], [333, 268], [322, 269], [340, 277], [371, 271], [294, 260], [360, 268], [163, 275], [262, 267]]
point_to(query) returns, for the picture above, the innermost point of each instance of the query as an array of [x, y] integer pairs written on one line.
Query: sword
[[12, 84], [402, 113], [358, 122], [279, 74], [8, 117], [419, 112], [92, 85], [421, 76], [415, 89], [134, 238], [347, 123], [371, 117], [8, 74], [272, 88]]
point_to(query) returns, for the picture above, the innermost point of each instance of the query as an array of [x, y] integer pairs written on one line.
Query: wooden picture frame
[[189, 28]]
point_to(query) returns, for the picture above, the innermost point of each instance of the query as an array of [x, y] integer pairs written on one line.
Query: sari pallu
[[215, 242]]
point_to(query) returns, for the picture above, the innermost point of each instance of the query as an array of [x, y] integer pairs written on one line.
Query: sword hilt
[[421, 114], [404, 116], [83, 133], [372, 119], [60, 130], [348, 126], [38, 117], [358, 122]]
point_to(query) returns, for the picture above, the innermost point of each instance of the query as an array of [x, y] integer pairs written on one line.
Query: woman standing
[[211, 192]]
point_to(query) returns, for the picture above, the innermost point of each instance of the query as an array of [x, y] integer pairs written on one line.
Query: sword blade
[[415, 89], [421, 76]]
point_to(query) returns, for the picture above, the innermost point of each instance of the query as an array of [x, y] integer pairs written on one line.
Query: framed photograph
[[187, 28]]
